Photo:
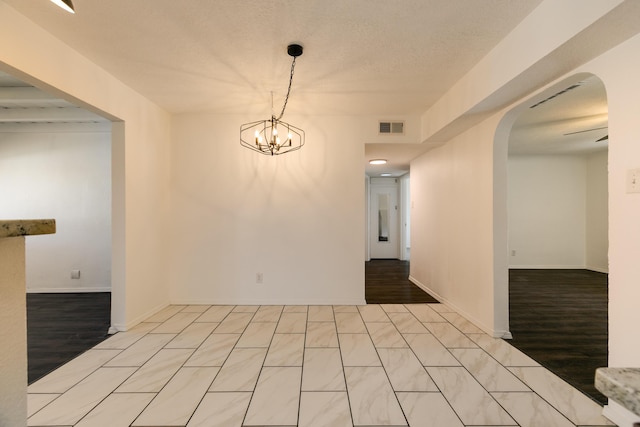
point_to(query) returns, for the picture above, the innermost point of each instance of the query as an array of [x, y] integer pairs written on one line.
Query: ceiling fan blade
[[604, 138]]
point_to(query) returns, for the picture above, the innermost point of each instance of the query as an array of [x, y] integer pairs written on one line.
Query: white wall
[[140, 159], [451, 217], [597, 235], [558, 211], [547, 215], [56, 171], [295, 218]]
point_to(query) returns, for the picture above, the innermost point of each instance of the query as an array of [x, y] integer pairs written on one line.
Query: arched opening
[[551, 250]]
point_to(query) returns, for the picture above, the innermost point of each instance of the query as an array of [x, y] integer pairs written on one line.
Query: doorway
[[556, 199], [384, 227]]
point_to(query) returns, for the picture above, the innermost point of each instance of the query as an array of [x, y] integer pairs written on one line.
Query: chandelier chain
[[286, 99]]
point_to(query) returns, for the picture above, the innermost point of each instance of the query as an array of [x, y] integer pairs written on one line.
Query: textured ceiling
[[377, 57], [361, 56]]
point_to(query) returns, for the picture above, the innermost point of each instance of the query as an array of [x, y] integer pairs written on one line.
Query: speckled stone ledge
[[26, 227], [621, 385]]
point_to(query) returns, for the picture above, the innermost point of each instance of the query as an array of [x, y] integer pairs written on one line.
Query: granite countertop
[[26, 227], [621, 385]]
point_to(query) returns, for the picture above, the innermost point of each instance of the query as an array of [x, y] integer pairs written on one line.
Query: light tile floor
[[328, 366]]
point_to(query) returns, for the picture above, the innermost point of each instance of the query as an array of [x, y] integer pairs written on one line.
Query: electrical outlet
[[259, 278], [75, 274], [633, 181]]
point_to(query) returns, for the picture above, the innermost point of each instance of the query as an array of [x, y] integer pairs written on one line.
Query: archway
[[551, 226]]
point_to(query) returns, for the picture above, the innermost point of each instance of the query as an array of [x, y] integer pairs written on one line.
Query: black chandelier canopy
[[273, 136]]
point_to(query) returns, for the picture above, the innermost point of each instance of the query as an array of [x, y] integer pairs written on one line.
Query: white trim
[[120, 327], [598, 269], [470, 318], [550, 267], [619, 415], [91, 289], [232, 301]]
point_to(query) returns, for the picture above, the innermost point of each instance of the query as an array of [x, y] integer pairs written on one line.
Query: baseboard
[[620, 415], [69, 290], [470, 318], [348, 301], [598, 269], [123, 327], [549, 267]]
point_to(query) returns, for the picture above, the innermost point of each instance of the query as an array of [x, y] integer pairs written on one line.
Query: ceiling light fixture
[[385, 174], [65, 4], [272, 137], [378, 162]]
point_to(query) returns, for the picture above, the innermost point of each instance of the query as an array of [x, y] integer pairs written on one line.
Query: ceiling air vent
[[389, 128]]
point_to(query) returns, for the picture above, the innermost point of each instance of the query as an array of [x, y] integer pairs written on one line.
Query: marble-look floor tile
[[35, 402], [177, 401], [405, 371], [240, 371], [176, 323], [424, 313], [192, 336], [373, 402], [350, 323], [276, 397], [462, 324], [385, 335], [234, 323], [358, 350], [268, 313], [570, 402], [323, 409], [320, 313], [484, 368], [214, 350], [441, 308], [257, 335], [221, 410], [200, 308], [286, 350], [295, 309], [292, 323], [407, 323], [141, 351], [428, 410], [502, 351], [154, 374], [345, 309], [430, 351], [466, 395], [70, 407], [449, 336], [215, 314], [373, 313], [321, 334], [246, 308], [530, 410], [394, 308], [71, 373], [322, 370], [117, 410], [165, 314], [122, 340]]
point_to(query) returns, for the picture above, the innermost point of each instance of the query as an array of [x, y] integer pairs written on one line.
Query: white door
[[383, 230]]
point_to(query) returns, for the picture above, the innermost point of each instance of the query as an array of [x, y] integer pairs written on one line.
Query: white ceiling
[[375, 57]]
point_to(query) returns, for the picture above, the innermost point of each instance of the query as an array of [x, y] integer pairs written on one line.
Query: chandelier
[[272, 136]]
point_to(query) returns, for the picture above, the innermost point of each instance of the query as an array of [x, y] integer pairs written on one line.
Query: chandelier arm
[[286, 99]]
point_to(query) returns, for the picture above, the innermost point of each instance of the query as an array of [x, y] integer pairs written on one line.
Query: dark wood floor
[[387, 282], [62, 326], [559, 318]]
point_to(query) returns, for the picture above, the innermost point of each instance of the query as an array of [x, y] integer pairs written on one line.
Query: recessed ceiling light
[[385, 174], [377, 162]]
